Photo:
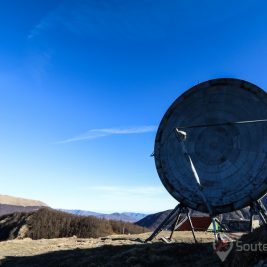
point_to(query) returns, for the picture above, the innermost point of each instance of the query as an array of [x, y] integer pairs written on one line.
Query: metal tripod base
[[255, 208], [175, 212]]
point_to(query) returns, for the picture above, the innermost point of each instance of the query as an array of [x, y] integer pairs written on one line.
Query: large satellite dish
[[229, 155]]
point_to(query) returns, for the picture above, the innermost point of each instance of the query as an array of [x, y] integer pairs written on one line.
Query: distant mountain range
[[10, 204], [124, 216]]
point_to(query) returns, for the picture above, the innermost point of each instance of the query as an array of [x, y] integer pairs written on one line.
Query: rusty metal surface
[[231, 160]]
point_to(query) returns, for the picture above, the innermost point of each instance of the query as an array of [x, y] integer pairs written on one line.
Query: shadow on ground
[[156, 254]]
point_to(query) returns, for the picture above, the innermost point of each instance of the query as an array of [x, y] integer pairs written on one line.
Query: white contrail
[[98, 133]]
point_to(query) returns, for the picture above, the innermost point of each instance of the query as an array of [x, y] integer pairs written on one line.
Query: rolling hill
[[10, 204], [17, 201]]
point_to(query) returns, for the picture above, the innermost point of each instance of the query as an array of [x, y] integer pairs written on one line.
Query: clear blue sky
[[84, 84]]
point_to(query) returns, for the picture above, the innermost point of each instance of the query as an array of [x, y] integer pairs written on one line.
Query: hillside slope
[[49, 223], [153, 220]]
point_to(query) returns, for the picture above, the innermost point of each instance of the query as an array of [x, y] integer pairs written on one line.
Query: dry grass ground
[[128, 250], [115, 250]]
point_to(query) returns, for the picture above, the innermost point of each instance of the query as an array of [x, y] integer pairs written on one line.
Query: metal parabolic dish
[[231, 160]]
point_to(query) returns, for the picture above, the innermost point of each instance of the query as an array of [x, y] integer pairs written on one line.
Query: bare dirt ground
[[115, 250]]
